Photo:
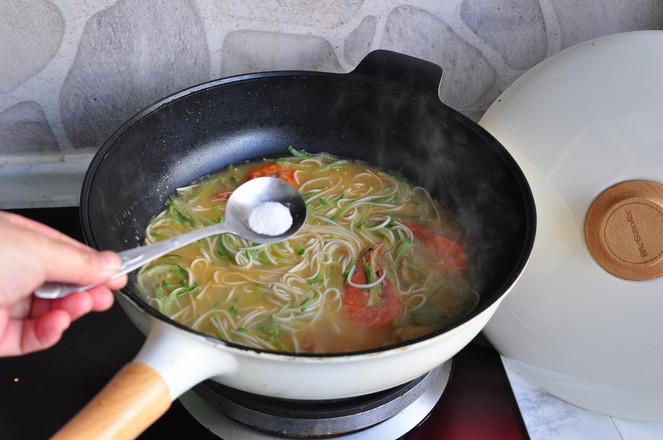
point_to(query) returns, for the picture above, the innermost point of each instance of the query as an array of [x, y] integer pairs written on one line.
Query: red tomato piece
[[274, 170]]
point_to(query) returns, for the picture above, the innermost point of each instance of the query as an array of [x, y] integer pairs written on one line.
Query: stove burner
[[235, 414]]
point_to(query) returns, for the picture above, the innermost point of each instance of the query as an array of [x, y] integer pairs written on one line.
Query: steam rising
[[395, 123]]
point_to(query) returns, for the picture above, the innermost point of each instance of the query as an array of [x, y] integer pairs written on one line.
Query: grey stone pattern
[[432, 39], [255, 51], [71, 72], [31, 33], [359, 40], [498, 25], [320, 15], [24, 128], [129, 56]]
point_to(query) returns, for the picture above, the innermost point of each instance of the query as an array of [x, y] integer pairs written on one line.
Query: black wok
[[386, 112]]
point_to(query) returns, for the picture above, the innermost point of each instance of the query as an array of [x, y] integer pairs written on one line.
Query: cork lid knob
[[624, 230]]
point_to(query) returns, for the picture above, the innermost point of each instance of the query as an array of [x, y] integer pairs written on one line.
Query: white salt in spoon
[[262, 210]]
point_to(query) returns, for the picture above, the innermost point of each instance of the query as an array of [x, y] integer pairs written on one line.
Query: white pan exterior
[[184, 359]]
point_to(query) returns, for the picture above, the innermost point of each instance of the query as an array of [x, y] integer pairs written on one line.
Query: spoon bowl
[[254, 193], [239, 207]]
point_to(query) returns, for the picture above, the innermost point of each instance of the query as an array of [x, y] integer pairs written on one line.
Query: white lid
[[587, 326]]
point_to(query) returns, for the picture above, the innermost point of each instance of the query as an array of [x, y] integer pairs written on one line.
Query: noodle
[[377, 262]]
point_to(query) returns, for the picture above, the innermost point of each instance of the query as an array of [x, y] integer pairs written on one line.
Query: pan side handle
[[384, 65], [170, 362], [134, 399]]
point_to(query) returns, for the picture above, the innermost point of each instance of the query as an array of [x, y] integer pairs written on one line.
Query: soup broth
[[376, 263]]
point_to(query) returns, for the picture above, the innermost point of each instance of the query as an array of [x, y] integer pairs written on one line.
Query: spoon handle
[[133, 259]]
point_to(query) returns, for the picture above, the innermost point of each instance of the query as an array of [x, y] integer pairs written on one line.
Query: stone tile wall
[[72, 71]]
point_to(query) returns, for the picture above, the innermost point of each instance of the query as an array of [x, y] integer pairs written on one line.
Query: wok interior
[[192, 135]]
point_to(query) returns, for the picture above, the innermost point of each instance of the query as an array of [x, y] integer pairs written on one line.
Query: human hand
[[32, 253]]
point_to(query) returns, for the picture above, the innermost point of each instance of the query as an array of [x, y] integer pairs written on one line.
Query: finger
[[97, 299], [117, 283], [102, 298], [77, 304], [20, 309], [70, 264], [26, 336]]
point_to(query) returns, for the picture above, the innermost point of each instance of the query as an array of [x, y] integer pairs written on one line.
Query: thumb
[[67, 263]]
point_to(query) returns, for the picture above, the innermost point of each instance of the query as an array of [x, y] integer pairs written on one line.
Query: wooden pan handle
[[134, 399]]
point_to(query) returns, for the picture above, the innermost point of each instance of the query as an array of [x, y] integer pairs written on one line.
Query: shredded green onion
[[401, 250], [175, 211], [305, 297], [283, 309], [298, 153], [198, 193], [317, 278], [368, 270], [343, 209], [179, 292], [305, 301]]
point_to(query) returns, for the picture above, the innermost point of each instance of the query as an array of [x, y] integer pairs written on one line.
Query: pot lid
[[584, 321]]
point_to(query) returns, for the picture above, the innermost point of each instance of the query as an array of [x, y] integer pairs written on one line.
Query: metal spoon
[[240, 204]]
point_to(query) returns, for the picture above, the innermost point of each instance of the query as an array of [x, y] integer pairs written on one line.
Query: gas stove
[[468, 397], [231, 413]]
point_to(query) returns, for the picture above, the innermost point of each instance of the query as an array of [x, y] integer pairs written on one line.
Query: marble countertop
[[549, 418]]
